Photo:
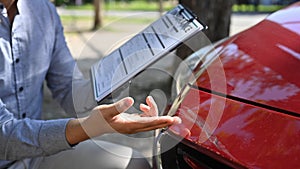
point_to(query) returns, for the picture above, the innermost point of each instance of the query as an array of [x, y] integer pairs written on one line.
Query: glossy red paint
[[248, 135], [260, 122], [262, 64]]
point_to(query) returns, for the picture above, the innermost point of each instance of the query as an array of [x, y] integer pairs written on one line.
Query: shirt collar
[[3, 9]]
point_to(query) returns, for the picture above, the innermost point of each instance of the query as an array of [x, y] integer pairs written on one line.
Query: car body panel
[[249, 135], [262, 65], [254, 120]]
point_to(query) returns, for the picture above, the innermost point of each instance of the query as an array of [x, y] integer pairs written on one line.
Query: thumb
[[118, 107]]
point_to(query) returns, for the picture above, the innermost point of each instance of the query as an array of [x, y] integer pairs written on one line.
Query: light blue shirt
[[32, 51]]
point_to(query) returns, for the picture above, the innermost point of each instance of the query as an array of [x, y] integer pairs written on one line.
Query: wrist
[[75, 132]]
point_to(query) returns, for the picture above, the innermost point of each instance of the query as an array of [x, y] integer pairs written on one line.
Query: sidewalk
[[66, 12]]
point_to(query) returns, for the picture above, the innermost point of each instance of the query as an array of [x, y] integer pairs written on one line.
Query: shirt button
[[24, 115], [17, 60], [21, 89]]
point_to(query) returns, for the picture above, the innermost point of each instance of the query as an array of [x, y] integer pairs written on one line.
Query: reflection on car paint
[[257, 74], [246, 134], [290, 51]]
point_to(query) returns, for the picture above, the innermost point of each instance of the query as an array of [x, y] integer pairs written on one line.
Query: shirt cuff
[[52, 136]]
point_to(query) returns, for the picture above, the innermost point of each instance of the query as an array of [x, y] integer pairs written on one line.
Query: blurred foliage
[[131, 6], [73, 2], [260, 8], [152, 5]]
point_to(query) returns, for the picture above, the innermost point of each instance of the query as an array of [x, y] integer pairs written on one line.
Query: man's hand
[[111, 118]]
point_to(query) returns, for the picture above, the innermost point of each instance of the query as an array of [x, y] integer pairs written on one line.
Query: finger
[[180, 130], [145, 123], [149, 101], [150, 109], [177, 120], [152, 104], [116, 108], [144, 108], [153, 128], [162, 122]]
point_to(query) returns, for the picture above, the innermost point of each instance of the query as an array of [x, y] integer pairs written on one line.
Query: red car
[[241, 107]]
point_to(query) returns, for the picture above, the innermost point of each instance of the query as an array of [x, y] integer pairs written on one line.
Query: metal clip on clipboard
[[186, 14]]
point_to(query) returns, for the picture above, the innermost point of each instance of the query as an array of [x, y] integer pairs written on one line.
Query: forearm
[[27, 138]]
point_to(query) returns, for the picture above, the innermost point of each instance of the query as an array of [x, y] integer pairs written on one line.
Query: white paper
[[142, 50]]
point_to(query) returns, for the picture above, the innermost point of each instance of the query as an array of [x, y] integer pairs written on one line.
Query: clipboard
[[144, 49]]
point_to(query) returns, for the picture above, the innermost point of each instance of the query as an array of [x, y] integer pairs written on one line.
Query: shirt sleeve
[[27, 138], [64, 79]]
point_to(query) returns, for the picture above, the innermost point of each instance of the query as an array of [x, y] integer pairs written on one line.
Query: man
[[33, 49]]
